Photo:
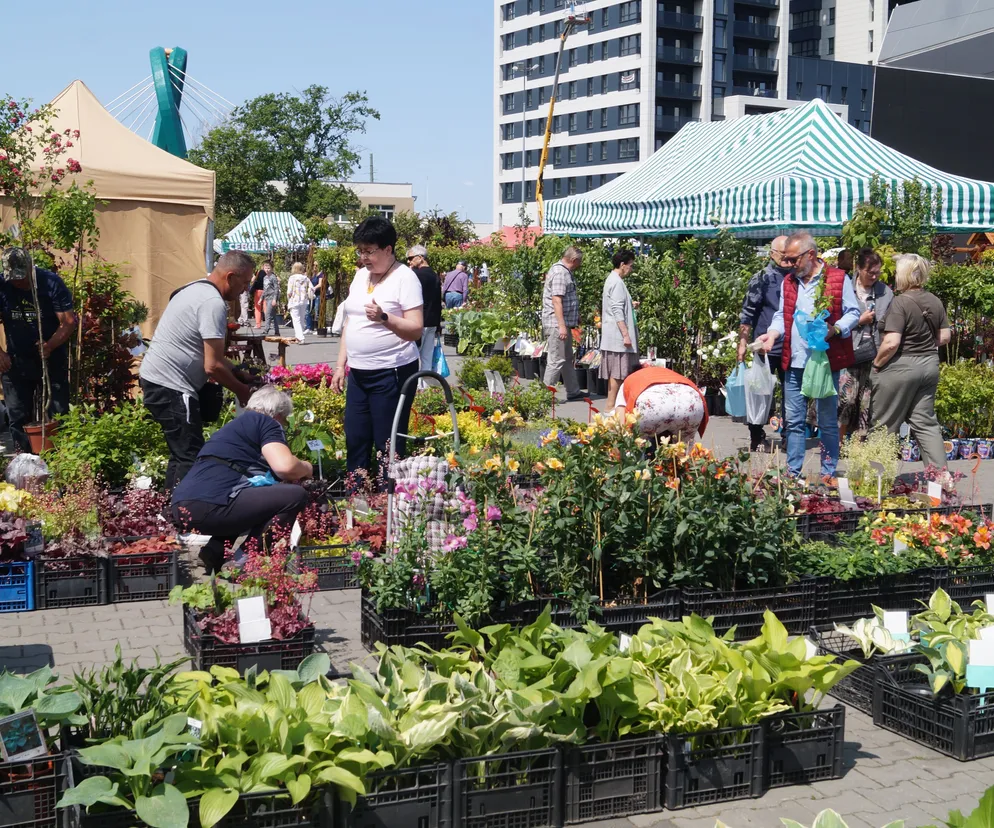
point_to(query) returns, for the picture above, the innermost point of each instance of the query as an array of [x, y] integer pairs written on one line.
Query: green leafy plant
[[962, 399], [873, 637], [877, 446], [471, 376], [53, 705]]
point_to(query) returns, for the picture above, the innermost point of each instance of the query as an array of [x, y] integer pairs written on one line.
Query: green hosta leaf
[[774, 633], [941, 604], [311, 697], [233, 761], [15, 691], [828, 819], [271, 765], [955, 653], [983, 814], [470, 637], [165, 808], [298, 787], [313, 667], [427, 734], [349, 783], [215, 805], [109, 754], [89, 791], [58, 706], [281, 692]]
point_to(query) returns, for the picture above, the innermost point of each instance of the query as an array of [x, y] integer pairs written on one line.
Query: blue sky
[[427, 66]]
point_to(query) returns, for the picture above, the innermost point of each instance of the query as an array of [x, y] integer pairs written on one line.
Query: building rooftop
[[949, 36]]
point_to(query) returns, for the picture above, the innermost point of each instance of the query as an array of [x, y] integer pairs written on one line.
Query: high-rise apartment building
[[634, 74]]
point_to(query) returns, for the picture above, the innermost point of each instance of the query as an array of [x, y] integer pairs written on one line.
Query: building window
[[590, 153], [509, 103], [588, 184], [531, 6], [529, 190], [541, 64], [557, 156], [528, 129], [628, 80], [862, 102], [590, 119], [573, 59], [719, 68], [604, 18], [541, 33], [541, 96], [555, 124], [799, 20], [831, 45], [823, 91], [572, 154], [630, 12], [628, 148], [603, 84], [797, 90], [843, 94], [603, 119], [805, 48], [558, 28], [531, 36], [719, 34], [603, 150], [570, 186], [572, 122], [509, 11], [590, 87], [718, 92], [508, 192], [530, 103], [590, 53], [509, 40], [572, 90], [605, 50], [831, 16], [557, 186], [870, 39], [721, 7], [630, 45], [871, 11], [628, 115]]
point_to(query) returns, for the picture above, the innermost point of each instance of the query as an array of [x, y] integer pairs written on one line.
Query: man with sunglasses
[[801, 287], [431, 290]]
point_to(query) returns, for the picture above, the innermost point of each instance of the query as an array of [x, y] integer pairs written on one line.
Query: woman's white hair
[[297, 268], [272, 401], [912, 271]]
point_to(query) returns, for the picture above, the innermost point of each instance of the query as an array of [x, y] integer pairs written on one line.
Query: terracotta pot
[[33, 430]]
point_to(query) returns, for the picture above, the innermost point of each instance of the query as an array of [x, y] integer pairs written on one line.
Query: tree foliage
[[300, 142], [905, 214]]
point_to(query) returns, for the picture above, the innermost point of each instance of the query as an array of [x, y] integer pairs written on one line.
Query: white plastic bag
[[27, 471], [760, 384]]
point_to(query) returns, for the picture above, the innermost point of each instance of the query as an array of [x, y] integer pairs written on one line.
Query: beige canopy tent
[[159, 209]]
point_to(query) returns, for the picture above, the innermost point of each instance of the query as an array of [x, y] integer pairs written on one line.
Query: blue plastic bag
[[439, 364], [813, 330], [735, 392]]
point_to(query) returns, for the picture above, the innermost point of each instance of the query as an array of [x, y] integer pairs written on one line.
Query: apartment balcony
[[672, 123], [756, 31], [672, 54], [753, 63], [685, 91], [765, 4], [754, 93], [684, 22]]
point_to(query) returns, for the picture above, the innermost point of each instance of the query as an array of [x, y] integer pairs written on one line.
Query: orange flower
[[941, 552], [614, 455], [673, 484], [982, 537], [722, 471]]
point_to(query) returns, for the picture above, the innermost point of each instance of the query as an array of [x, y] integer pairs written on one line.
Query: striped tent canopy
[[263, 232], [761, 175]]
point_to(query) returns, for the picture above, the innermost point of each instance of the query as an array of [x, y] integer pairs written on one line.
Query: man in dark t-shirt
[[431, 293], [21, 362]]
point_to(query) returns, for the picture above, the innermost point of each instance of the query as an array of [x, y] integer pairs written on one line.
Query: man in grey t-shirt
[[186, 351]]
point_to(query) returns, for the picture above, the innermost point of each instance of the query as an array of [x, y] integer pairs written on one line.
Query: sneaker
[[308, 332], [576, 397]]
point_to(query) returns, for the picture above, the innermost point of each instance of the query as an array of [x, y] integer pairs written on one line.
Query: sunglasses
[[790, 260]]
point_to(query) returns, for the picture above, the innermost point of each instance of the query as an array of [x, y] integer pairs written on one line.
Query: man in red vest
[[800, 290]]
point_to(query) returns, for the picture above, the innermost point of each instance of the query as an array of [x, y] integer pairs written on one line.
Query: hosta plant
[[874, 638]]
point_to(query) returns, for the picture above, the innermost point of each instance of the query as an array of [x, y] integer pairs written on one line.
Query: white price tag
[[624, 642], [195, 726], [251, 609], [896, 623], [989, 601], [295, 534], [845, 493], [987, 634], [810, 648], [315, 445], [982, 653], [878, 468], [935, 493], [253, 625], [349, 519], [899, 546]]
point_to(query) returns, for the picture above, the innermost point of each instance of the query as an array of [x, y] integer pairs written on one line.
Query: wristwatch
[[383, 316]]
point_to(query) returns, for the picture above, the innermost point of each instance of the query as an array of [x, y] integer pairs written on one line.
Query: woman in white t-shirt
[[383, 322], [299, 292]]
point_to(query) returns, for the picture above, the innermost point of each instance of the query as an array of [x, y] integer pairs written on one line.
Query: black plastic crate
[[512, 790], [804, 747], [843, 602], [29, 790], [206, 651], [70, 582], [825, 526], [419, 797], [961, 726], [856, 689], [714, 766], [401, 626], [450, 339], [794, 605], [965, 584], [334, 572], [618, 779], [143, 577]]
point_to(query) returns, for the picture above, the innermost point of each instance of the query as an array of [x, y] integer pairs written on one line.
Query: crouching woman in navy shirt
[[232, 489]]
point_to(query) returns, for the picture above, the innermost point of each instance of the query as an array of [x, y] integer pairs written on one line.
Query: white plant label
[[989, 601], [935, 493], [624, 642], [195, 726], [295, 534], [896, 623], [987, 634], [845, 493], [251, 609], [899, 546], [349, 519], [810, 649], [315, 445], [982, 653]]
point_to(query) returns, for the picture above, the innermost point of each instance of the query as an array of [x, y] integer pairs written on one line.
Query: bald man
[[761, 302]]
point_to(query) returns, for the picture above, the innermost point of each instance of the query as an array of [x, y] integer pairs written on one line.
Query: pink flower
[[452, 543], [470, 523], [493, 513]]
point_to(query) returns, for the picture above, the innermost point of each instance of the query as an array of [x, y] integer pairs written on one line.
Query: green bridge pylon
[[168, 133]]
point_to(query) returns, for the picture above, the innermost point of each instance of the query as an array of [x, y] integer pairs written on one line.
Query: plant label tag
[[349, 519], [904, 431], [624, 642], [878, 468], [250, 632], [315, 445], [251, 609], [987, 634], [295, 534], [144, 482], [989, 601], [194, 726], [899, 546], [982, 653], [810, 649], [896, 622], [845, 493], [935, 493]]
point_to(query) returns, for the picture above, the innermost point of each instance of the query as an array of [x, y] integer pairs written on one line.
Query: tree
[[407, 223], [299, 142], [442, 229]]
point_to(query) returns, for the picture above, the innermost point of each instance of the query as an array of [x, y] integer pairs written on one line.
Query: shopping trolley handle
[[430, 375]]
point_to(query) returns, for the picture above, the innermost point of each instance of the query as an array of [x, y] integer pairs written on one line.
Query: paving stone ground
[[886, 776]]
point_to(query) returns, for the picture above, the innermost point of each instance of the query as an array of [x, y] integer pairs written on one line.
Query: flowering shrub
[[312, 375], [951, 539], [136, 513]]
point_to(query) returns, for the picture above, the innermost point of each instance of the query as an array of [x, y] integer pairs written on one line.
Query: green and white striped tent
[[261, 232], [761, 175]]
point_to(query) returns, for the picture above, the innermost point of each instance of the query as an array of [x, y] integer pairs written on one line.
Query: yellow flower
[[641, 474], [539, 467], [497, 417], [551, 437], [451, 457], [555, 464], [511, 464], [474, 450], [631, 418], [493, 464], [641, 442]]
